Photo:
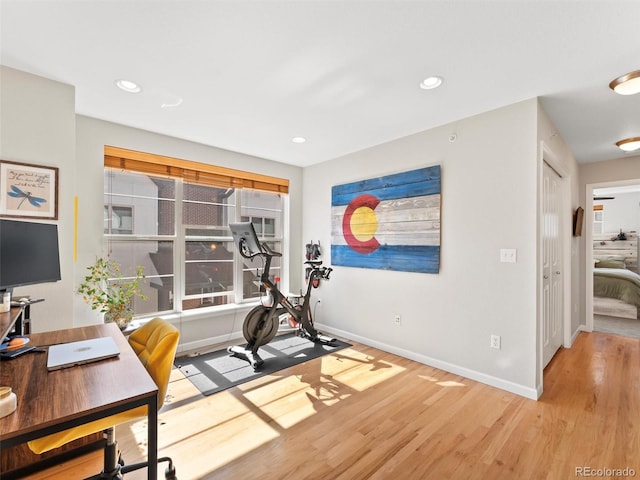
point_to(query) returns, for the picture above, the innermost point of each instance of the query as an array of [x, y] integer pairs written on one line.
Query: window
[[265, 212], [118, 219], [180, 235], [598, 219]]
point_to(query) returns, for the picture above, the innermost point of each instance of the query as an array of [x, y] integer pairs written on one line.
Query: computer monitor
[[29, 254], [244, 233]]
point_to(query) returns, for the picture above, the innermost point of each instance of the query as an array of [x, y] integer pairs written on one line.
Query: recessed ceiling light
[[431, 82], [172, 104], [128, 86], [629, 144], [298, 139], [628, 84]]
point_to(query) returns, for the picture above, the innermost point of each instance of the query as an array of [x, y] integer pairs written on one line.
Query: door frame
[[588, 270], [546, 155]]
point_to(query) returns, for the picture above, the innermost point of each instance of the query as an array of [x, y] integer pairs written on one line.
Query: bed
[[614, 281]]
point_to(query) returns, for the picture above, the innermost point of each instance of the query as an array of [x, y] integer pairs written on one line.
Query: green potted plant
[[105, 289]]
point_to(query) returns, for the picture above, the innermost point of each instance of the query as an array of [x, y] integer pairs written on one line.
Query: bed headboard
[[607, 244]]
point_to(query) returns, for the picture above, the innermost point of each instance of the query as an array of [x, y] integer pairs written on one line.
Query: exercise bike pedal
[[245, 353], [324, 339]]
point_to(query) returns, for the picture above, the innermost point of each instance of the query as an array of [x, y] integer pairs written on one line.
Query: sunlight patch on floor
[[357, 365], [229, 438], [266, 407], [294, 398], [223, 408], [138, 429], [450, 383], [445, 383]]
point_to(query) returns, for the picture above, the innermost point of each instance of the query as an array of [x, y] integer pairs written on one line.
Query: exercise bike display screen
[[244, 231]]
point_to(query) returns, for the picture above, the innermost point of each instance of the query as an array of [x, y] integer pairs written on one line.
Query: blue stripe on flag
[[415, 183], [410, 258]]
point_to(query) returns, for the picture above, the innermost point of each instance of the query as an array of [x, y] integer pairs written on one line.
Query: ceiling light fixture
[[128, 86], [431, 82], [629, 144], [168, 105], [298, 139], [628, 84]]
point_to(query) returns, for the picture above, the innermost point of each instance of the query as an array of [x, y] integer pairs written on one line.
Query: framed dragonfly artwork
[[28, 191]]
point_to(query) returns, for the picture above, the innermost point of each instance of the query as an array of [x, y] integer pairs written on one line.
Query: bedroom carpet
[[219, 370], [629, 327], [613, 308], [614, 316]]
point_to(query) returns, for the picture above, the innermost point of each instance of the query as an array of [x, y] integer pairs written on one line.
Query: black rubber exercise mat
[[219, 370]]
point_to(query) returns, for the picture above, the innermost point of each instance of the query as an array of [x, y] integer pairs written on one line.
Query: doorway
[[612, 227]]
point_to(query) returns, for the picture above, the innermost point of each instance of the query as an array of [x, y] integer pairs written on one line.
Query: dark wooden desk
[[49, 402], [8, 319]]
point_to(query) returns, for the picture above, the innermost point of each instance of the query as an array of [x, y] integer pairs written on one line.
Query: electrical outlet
[[396, 318], [495, 341], [508, 255]]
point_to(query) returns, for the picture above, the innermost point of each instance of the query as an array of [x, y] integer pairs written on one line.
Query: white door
[[552, 263]]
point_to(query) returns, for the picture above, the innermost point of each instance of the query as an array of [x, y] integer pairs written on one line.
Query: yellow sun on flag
[[364, 223]]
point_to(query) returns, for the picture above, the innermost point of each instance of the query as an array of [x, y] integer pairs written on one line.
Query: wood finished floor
[[365, 414]]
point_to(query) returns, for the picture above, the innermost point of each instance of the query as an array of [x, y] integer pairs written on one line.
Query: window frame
[[109, 218], [180, 237]]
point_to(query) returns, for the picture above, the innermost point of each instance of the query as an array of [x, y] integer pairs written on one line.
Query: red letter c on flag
[[357, 245]]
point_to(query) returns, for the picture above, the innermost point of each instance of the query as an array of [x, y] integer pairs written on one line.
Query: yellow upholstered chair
[[155, 343]]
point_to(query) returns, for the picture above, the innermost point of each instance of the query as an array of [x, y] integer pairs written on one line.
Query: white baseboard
[[209, 344], [518, 389], [581, 328]]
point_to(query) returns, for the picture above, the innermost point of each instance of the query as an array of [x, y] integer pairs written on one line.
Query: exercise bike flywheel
[[258, 328]]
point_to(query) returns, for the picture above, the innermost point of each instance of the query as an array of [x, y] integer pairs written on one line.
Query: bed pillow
[[609, 257], [610, 262]]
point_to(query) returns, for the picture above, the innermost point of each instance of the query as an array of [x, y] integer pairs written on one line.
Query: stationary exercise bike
[[262, 322]]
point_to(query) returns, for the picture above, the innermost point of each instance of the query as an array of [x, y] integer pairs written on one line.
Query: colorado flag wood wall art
[[388, 223]]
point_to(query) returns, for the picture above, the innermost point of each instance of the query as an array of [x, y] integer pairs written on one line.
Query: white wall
[[489, 202], [608, 171], [37, 126], [622, 212]]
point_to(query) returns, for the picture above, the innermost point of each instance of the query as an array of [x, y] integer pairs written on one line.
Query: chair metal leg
[[114, 468], [112, 463], [169, 473]]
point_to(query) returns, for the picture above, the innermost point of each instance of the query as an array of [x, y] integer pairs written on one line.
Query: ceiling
[[250, 75]]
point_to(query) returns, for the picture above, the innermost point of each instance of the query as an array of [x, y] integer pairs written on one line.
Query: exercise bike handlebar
[[270, 252], [265, 251], [250, 247]]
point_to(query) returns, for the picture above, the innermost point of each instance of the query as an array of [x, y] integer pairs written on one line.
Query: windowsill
[[195, 314]]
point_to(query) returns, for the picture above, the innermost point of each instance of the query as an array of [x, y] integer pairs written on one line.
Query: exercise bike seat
[[313, 263]]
